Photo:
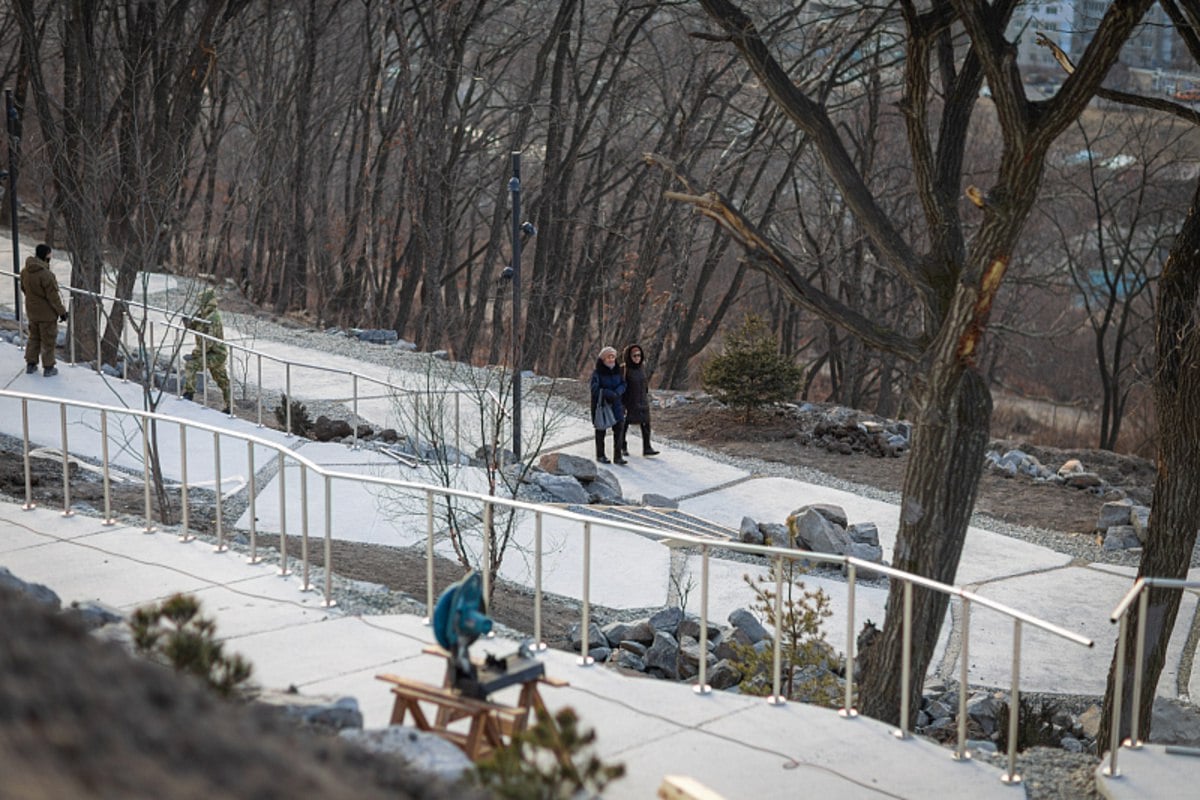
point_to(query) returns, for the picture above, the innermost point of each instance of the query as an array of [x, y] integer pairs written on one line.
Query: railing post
[[66, 459], [329, 601], [905, 663], [108, 517], [1139, 653], [429, 599], [146, 474], [847, 710], [221, 546], [485, 554], [253, 511], [1114, 721], [29, 504], [538, 644], [185, 535], [585, 646], [283, 556], [287, 381], [204, 367], [1014, 708], [260, 388], [354, 410], [304, 586], [702, 687], [960, 750], [777, 697]]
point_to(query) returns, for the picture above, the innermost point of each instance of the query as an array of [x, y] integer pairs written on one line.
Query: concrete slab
[[1152, 772], [1078, 599]]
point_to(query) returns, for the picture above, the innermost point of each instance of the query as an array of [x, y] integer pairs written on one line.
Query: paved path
[[656, 728]]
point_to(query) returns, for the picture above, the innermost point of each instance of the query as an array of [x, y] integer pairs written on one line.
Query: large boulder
[[604, 488], [583, 469], [745, 623], [320, 711], [424, 751], [663, 655], [816, 532], [563, 488], [1115, 512]]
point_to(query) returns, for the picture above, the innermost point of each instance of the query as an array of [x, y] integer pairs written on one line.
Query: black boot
[[600, 457], [618, 443], [647, 450]]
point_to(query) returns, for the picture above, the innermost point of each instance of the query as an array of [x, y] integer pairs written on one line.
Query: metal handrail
[[183, 331], [1120, 615], [489, 502]]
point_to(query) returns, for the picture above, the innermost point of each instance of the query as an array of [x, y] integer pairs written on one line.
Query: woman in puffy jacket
[[637, 398], [607, 387]]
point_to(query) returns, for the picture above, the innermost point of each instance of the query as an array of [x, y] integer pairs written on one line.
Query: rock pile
[[666, 645], [817, 528]]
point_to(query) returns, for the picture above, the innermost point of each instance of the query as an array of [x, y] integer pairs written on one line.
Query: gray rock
[[724, 675], [690, 626], [690, 655], [35, 591], [326, 429], [751, 535], [595, 636], [863, 533], [663, 655], [323, 711], [627, 659], [1089, 721], [748, 529], [817, 533], [617, 632], [658, 501], [867, 552], [1071, 744], [723, 646], [983, 709], [424, 751], [92, 614], [1121, 537], [600, 654], [981, 746], [563, 488], [667, 620], [1175, 722], [835, 514], [748, 626], [1139, 517], [604, 489], [775, 535], [375, 335], [1114, 513], [1083, 480], [637, 648], [584, 469]]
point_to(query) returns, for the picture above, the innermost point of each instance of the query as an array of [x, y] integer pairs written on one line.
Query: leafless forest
[[348, 162]]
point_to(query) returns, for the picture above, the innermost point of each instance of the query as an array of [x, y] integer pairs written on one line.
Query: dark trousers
[[618, 437], [645, 437], [42, 338]]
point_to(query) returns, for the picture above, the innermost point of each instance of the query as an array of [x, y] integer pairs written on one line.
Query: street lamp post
[[514, 186], [13, 125], [513, 272]]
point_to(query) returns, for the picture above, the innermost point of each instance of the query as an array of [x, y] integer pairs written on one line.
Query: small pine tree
[[175, 634], [750, 372]]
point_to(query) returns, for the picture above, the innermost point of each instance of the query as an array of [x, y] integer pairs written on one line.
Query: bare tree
[[954, 268]]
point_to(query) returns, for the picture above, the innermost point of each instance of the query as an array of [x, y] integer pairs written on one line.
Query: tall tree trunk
[[1175, 518]]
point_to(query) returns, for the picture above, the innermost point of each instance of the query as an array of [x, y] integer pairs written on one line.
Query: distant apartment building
[[1071, 23], [1054, 19]]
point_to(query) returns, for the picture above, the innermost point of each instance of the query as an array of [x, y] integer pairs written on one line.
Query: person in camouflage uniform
[[44, 309], [210, 352]]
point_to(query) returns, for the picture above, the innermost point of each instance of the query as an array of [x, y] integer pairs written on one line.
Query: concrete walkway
[[740, 747]]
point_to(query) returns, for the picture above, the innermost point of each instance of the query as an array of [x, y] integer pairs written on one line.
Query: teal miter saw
[[460, 618]]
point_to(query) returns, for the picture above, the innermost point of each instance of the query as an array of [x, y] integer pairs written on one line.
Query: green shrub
[[806, 660], [547, 761], [750, 372], [175, 634]]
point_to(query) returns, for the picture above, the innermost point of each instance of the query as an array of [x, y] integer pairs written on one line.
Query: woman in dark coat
[[607, 387], [637, 398]]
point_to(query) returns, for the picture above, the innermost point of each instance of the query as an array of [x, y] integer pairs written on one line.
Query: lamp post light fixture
[[520, 231]]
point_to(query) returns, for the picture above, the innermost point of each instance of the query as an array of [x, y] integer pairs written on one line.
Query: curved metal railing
[[147, 343], [778, 556], [1120, 615]]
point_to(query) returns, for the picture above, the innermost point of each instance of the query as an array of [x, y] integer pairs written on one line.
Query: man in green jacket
[[44, 309], [209, 351]]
